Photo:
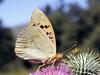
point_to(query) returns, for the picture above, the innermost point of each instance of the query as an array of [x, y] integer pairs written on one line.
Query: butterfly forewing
[[33, 42], [43, 22]]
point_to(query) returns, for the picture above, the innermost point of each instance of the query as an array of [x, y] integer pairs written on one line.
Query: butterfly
[[36, 43]]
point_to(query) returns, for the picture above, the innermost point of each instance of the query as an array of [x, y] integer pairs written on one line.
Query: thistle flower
[[62, 69], [83, 61]]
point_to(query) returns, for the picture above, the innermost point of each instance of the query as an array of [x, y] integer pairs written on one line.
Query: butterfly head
[[58, 55], [54, 59]]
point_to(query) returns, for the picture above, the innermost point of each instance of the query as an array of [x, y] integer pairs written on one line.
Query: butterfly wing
[[33, 42], [43, 22]]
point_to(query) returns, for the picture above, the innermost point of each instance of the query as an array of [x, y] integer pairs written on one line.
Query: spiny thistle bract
[[83, 61]]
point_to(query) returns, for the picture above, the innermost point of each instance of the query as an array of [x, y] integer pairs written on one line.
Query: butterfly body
[[36, 43]]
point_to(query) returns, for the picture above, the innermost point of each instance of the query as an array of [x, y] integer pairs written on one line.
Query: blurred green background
[[70, 25]]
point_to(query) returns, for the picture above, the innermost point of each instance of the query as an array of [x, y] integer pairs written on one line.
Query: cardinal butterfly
[[36, 43]]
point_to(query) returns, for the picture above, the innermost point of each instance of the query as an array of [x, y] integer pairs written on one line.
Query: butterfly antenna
[[73, 46]]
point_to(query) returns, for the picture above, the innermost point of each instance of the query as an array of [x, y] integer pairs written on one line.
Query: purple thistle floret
[[62, 69]]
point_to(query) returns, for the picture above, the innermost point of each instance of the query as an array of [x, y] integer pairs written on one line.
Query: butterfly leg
[[53, 62], [41, 66]]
